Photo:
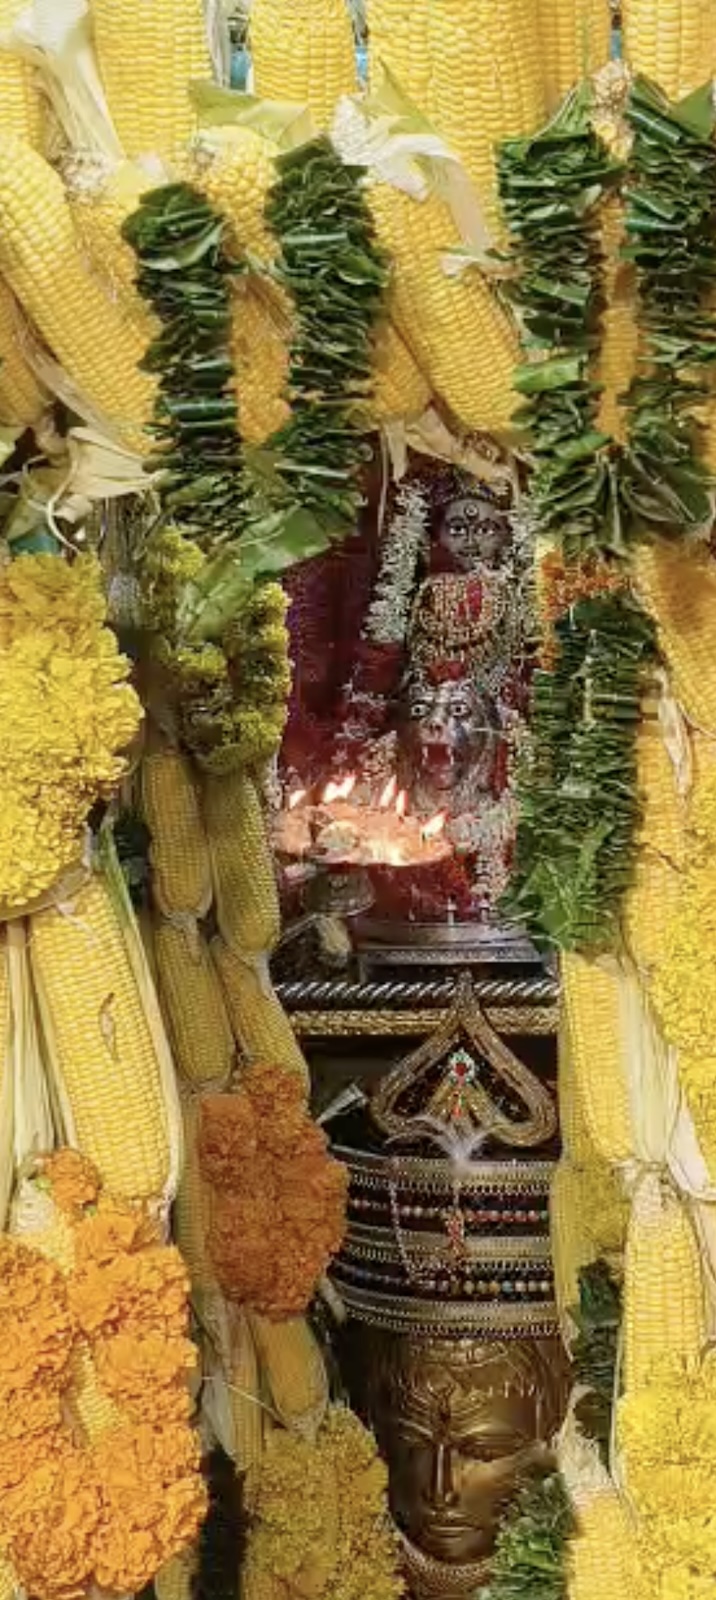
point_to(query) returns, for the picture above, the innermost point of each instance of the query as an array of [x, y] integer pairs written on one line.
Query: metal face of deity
[[461, 1424], [448, 734]]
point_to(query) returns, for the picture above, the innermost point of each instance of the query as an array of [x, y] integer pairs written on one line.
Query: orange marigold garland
[[277, 1198], [79, 1514]]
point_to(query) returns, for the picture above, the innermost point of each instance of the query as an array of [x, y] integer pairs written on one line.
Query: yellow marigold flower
[[321, 1525], [153, 1502], [51, 1542], [146, 1373], [149, 1289], [38, 1329], [73, 1180], [114, 1230], [66, 711]]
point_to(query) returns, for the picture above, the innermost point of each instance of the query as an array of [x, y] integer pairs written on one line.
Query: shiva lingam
[[451, 1350], [343, 833]]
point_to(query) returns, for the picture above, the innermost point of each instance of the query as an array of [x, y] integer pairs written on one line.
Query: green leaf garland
[[595, 1351], [185, 276], [551, 186], [578, 794], [305, 483], [665, 486]]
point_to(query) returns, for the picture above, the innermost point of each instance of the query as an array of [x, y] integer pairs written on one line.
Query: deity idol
[[451, 1351], [462, 1425]]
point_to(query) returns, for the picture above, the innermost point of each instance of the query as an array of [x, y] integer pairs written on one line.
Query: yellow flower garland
[[66, 712], [320, 1517], [105, 1507], [667, 1439]]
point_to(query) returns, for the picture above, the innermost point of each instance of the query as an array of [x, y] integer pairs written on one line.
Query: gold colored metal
[[478, 1109], [527, 1021], [427, 1174], [461, 1423]]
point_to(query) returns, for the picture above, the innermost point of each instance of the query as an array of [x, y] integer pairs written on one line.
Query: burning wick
[[434, 827], [296, 798], [388, 794], [401, 806]]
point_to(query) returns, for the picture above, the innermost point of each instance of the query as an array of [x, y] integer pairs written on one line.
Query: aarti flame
[[339, 791], [435, 826], [296, 798], [388, 794]]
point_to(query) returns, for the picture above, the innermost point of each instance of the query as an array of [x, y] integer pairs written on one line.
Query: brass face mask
[[461, 1424]]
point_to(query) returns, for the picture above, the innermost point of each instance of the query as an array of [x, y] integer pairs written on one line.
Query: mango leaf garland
[[305, 483], [185, 276], [578, 793], [671, 230], [551, 186]]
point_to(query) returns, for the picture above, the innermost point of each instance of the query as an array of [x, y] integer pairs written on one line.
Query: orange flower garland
[[278, 1199], [562, 584], [79, 1514]]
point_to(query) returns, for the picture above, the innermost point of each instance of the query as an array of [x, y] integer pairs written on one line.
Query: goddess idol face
[[461, 1425], [447, 733]]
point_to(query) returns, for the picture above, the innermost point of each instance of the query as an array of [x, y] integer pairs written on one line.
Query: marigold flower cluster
[[321, 1524], [278, 1198], [230, 695], [102, 1507], [561, 584], [66, 712], [667, 1440], [684, 986]]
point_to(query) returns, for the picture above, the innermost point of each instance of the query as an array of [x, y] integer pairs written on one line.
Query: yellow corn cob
[[398, 32], [663, 821], [193, 1004], [168, 38], [620, 338], [664, 1315], [259, 347], [680, 592], [175, 1581], [179, 854], [576, 1143], [575, 42], [22, 399], [261, 1028], [400, 389], [8, 1046], [9, 1586], [603, 1559], [697, 1078], [100, 201], [485, 82], [671, 41], [22, 104], [459, 336], [234, 168], [88, 1405], [101, 1046], [303, 51], [648, 910], [247, 906], [245, 1387], [42, 262], [295, 1373], [591, 1001], [588, 1222], [192, 1204]]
